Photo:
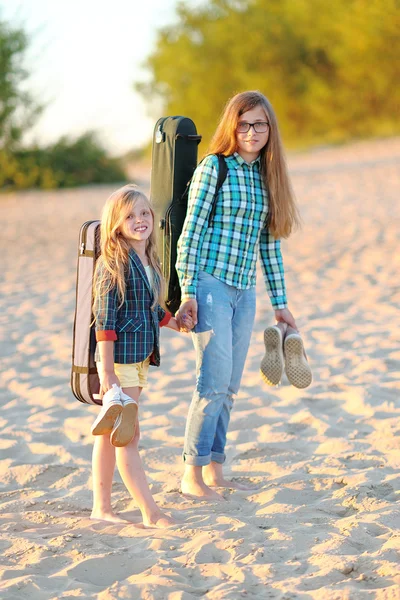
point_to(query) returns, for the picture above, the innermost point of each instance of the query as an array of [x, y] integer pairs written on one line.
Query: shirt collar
[[238, 161]]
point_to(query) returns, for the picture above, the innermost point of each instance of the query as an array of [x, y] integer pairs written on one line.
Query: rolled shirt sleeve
[[164, 316], [165, 319]]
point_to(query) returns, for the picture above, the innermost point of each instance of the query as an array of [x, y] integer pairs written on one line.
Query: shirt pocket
[[131, 325], [230, 206]]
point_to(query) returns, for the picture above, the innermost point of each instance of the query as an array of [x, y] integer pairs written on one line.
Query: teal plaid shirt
[[228, 248]]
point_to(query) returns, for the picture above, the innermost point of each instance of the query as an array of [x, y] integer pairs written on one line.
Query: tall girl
[[217, 270], [128, 287]]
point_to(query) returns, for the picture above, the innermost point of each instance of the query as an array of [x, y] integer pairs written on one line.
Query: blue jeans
[[221, 339]]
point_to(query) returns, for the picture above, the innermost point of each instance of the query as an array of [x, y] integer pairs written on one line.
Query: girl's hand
[[107, 379], [283, 315], [187, 315], [172, 324], [187, 324]]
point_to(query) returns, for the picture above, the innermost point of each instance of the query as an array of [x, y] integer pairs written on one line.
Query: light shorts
[[133, 375]]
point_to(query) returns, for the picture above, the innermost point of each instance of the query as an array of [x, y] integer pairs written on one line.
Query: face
[[250, 144], [138, 225]]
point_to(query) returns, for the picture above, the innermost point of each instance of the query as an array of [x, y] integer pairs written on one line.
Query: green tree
[[18, 108], [328, 68], [65, 163]]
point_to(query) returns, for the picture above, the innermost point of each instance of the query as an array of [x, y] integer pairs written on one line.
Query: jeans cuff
[[218, 457], [197, 461]]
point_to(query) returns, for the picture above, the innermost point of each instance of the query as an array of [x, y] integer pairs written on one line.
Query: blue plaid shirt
[[228, 248], [135, 326]]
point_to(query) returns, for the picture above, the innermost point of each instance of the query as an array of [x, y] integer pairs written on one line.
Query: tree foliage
[[329, 69], [65, 163], [18, 109]]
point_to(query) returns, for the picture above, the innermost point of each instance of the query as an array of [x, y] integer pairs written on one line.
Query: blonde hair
[[113, 263], [283, 215]]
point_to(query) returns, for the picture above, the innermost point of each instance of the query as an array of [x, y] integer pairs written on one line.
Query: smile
[[141, 228]]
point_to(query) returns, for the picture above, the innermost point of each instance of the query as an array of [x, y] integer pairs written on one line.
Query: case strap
[[222, 173]]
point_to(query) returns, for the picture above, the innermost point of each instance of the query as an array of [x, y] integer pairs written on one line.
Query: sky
[[85, 56]]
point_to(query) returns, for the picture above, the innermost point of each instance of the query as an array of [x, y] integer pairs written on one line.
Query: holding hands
[[183, 321], [186, 316]]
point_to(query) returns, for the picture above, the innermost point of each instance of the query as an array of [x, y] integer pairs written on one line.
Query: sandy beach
[[324, 520]]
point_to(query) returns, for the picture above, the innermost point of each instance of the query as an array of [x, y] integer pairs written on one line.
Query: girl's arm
[[105, 315], [274, 276], [172, 324], [105, 306], [106, 367], [272, 267]]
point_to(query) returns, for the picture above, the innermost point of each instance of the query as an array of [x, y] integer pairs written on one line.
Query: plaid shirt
[[228, 248], [134, 327]]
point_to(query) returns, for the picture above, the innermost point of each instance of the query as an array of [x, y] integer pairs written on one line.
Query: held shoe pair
[[284, 350], [117, 416]]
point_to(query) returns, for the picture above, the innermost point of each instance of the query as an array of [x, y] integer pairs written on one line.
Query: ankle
[[151, 516], [214, 469], [213, 480], [193, 473], [102, 510]]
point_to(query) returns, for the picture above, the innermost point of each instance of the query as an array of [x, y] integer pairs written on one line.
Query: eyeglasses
[[259, 126]]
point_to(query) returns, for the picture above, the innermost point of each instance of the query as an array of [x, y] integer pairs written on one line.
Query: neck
[[140, 249], [248, 156]]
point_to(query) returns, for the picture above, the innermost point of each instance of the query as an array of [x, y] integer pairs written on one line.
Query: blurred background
[[83, 82]]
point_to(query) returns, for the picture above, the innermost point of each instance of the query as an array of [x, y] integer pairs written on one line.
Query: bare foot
[[108, 516], [159, 521], [199, 490], [233, 485], [213, 476]]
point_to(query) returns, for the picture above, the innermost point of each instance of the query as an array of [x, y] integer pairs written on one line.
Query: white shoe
[[111, 409], [125, 425]]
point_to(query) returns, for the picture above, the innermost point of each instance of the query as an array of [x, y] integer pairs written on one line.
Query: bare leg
[[103, 465], [131, 470], [214, 477], [193, 484]]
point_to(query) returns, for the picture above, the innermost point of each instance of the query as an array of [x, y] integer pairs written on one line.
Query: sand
[[324, 522]]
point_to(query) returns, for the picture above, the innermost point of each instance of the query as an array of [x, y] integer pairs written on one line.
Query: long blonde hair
[[283, 215], [113, 263]]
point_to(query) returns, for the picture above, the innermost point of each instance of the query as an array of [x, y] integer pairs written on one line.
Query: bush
[[67, 163]]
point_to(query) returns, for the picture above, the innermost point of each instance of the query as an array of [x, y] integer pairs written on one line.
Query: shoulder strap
[[222, 173]]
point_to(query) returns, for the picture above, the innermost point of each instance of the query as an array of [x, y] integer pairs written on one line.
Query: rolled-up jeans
[[221, 339]]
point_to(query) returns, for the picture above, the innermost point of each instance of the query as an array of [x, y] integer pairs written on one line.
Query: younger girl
[[128, 287], [217, 270]]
